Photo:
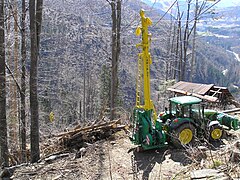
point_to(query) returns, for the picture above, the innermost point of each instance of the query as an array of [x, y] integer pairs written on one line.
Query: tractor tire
[[215, 132], [183, 136], [139, 149]]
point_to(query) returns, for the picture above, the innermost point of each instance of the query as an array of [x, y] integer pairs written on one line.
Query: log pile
[[78, 137]]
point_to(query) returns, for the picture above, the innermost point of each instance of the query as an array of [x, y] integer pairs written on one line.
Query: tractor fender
[[212, 123], [180, 121]]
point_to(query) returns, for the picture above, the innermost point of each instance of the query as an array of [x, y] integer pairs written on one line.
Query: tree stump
[[235, 152]]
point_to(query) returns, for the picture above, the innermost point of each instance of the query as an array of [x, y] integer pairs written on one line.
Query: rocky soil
[[117, 158]]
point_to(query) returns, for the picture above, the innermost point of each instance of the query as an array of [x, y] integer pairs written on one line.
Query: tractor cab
[[185, 107]]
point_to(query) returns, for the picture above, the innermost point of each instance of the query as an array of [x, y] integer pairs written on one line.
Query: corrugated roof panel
[[193, 87]]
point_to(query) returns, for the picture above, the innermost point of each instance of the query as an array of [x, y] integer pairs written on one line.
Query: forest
[[69, 63]]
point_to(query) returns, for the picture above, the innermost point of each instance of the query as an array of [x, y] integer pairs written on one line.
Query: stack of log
[[79, 136]]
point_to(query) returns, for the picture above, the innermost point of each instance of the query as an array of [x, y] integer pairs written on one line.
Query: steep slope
[[224, 33], [117, 158], [76, 43]]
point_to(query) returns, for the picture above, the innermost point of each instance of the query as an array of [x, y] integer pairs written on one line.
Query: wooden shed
[[214, 95]]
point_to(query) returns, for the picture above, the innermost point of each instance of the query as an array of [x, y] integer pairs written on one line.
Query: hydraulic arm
[[144, 63]]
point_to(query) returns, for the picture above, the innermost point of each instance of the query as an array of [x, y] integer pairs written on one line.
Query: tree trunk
[[114, 59], [14, 136], [193, 42], [179, 44], [39, 8], [116, 28], [168, 57], [3, 121], [173, 49], [11, 84], [35, 30], [185, 42], [88, 95], [23, 86], [84, 88], [8, 61], [176, 73]]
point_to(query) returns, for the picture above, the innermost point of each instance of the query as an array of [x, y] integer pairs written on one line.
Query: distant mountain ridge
[[164, 4]]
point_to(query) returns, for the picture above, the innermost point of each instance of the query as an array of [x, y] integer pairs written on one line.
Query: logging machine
[[186, 117]]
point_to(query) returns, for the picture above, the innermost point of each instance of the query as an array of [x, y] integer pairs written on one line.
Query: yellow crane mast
[[144, 63]]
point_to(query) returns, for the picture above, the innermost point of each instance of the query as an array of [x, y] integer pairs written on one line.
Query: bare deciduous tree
[[23, 85], [116, 48], [35, 13], [3, 121]]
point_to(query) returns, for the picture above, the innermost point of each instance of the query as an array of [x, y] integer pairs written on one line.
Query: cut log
[[7, 172], [111, 123], [54, 157], [78, 137], [90, 134]]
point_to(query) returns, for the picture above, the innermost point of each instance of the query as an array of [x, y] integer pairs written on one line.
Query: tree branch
[[108, 2], [10, 72]]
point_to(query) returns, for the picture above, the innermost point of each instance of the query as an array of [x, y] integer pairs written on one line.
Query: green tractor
[[186, 118], [185, 121]]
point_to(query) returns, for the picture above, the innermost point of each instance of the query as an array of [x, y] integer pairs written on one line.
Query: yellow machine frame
[[144, 63]]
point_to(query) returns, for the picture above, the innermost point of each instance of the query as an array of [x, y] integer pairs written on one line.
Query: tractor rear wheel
[[215, 132], [183, 135]]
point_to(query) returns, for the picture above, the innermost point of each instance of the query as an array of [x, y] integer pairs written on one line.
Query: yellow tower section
[[144, 63]]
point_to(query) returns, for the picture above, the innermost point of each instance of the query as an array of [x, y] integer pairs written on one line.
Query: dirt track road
[[116, 158]]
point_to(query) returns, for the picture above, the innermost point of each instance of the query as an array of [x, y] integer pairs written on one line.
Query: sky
[[227, 3]]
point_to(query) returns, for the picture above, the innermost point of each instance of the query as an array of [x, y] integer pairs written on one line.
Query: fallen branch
[[71, 133], [54, 157]]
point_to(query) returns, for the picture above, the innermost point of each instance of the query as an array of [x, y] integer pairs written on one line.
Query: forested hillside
[[76, 56], [223, 31], [76, 51]]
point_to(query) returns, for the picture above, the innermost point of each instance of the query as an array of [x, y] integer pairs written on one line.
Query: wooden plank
[[216, 92], [232, 110], [205, 97], [235, 103]]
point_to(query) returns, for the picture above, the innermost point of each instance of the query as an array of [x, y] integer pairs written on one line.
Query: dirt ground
[[116, 158]]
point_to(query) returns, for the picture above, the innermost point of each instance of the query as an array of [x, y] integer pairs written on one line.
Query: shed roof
[[201, 89], [208, 92]]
